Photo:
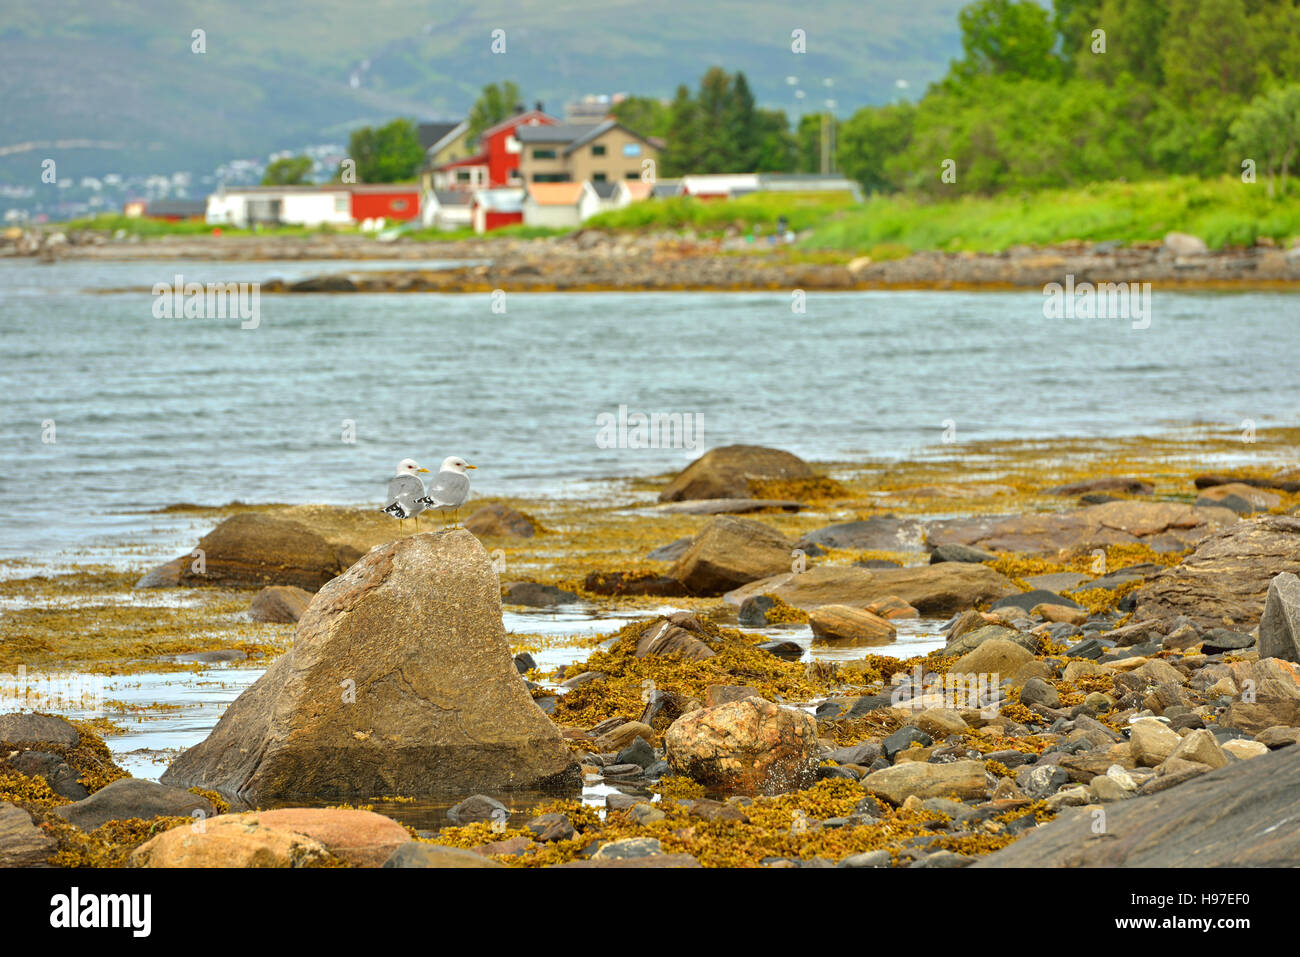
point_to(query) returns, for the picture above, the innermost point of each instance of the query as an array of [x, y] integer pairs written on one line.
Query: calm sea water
[[148, 412]]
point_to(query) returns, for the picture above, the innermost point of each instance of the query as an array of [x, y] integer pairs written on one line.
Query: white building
[[719, 185], [447, 209], [244, 206], [560, 205], [627, 192]]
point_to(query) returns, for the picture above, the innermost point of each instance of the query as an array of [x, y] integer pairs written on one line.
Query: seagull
[[449, 490], [406, 492]]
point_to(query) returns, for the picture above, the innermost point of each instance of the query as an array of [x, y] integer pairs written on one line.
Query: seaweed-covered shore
[[1115, 589]]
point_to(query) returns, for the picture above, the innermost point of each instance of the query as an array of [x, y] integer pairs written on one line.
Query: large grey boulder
[[400, 682]]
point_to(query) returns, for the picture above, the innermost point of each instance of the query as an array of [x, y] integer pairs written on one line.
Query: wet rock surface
[[400, 682]]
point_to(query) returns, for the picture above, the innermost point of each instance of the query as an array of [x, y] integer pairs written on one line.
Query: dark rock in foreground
[[1241, 815], [400, 682]]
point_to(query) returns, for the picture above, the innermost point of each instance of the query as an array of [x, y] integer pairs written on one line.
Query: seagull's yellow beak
[[468, 466], [422, 470]]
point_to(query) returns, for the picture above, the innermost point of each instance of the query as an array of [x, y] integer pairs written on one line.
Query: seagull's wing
[[448, 489], [404, 494]]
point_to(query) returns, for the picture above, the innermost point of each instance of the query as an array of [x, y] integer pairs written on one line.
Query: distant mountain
[[120, 78]]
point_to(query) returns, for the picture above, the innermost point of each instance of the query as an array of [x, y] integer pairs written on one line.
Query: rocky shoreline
[[593, 260], [1118, 681]]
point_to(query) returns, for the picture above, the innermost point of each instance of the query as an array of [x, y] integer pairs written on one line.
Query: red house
[[496, 163], [493, 208], [385, 201]]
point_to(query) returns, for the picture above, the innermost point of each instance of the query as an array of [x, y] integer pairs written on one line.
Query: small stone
[[552, 827], [477, 808], [904, 738], [628, 848], [1244, 750], [639, 752], [643, 814], [868, 859], [1151, 742], [1201, 747], [1038, 691]]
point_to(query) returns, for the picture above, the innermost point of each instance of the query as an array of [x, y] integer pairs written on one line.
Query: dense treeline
[[1094, 90]]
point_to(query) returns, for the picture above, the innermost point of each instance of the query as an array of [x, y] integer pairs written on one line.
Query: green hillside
[[281, 75]]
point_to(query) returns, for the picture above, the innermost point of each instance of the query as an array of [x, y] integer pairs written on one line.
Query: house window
[[462, 176], [543, 154], [598, 150], [631, 149], [550, 177], [340, 204], [598, 177], [632, 175], [398, 205]]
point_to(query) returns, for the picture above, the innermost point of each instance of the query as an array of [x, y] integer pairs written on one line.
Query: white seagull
[[448, 491], [406, 492]]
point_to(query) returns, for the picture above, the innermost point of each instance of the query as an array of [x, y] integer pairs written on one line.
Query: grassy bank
[[802, 211], [1223, 212]]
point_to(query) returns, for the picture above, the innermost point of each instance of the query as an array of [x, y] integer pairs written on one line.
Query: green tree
[[644, 115], [288, 171], [389, 154], [496, 103], [1267, 132], [721, 130], [1074, 22], [1006, 36], [1135, 31], [867, 142]]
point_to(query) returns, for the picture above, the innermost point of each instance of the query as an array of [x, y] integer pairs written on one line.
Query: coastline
[[598, 261]]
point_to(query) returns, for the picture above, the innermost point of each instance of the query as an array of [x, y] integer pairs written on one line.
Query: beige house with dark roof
[[605, 152]]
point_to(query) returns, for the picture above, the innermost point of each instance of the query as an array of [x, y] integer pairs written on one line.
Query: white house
[[560, 205], [719, 185], [629, 191], [244, 206], [448, 209]]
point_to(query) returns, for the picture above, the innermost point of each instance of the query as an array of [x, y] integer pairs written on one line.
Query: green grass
[[802, 210], [1223, 212]]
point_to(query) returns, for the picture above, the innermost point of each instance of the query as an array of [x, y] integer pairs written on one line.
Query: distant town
[[531, 168]]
